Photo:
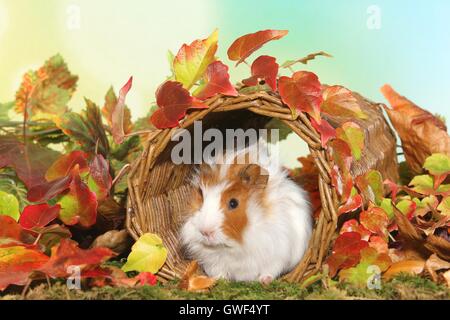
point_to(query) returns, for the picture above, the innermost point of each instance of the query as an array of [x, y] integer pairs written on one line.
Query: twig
[[25, 289], [122, 171]]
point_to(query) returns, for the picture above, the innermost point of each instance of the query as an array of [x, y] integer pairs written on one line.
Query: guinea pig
[[248, 221]]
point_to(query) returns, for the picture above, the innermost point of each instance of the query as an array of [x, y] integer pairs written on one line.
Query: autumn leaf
[[45, 93], [327, 132], [438, 165], [444, 206], [38, 215], [30, 161], [407, 207], [346, 252], [371, 185], [86, 129], [424, 184], [68, 254], [422, 134], [79, 205], [340, 175], [302, 92], [375, 220], [9, 205], [379, 243], [352, 133], [173, 102], [353, 225], [427, 204], [17, 263], [305, 60], [371, 262], [192, 281], [413, 267], [118, 114], [109, 107], [10, 229], [148, 254], [245, 45], [99, 180], [216, 80], [341, 102], [264, 68], [48, 190], [191, 61], [353, 203], [65, 163]]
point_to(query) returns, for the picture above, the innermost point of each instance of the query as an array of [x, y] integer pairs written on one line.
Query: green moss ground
[[402, 287]]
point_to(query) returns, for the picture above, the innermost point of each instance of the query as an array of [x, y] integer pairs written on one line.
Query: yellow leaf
[[191, 61], [148, 254]]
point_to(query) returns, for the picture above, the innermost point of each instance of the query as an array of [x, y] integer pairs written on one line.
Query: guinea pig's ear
[[254, 175]]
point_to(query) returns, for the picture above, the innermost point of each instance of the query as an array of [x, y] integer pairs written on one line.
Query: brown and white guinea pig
[[248, 221]]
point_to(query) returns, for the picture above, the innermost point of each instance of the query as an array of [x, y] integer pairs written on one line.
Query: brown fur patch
[[245, 181]]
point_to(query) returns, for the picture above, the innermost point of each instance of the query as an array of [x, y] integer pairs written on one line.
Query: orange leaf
[[302, 92], [117, 116], [406, 266], [421, 133], [244, 46]]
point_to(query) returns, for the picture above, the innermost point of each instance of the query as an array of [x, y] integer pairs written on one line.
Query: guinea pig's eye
[[233, 203]]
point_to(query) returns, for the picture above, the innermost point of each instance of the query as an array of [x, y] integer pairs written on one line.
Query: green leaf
[[424, 184], [438, 165], [352, 133], [371, 185], [386, 205], [444, 206], [9, 205], [147, 255], [371, 262]]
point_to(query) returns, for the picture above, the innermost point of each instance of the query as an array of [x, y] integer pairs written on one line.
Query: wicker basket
[[159, 191]]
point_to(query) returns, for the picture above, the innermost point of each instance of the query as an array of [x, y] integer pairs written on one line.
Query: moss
[[401, 287]]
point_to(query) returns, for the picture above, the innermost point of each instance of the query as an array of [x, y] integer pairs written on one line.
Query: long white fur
[[273, 242]]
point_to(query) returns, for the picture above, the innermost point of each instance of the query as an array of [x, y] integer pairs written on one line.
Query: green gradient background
[[120, 38]]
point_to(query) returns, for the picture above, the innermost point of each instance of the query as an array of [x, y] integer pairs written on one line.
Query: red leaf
[[379, 244], [217, 80], [38, 215], [64, 164], [346, 252], [340, 175], [354, 226], [146, 278], [79, 205], [17, 263], [393, 188], [117, 117], [353, 203], [30, 161], [173, 101], [244, 46], [263, 68], [327, 132], [375, 220], [9, 228], [68, 254], [302, 92], [48, 190], [99, 178]]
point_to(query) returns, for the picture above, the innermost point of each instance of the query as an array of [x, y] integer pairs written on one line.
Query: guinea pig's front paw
[[265, 279]]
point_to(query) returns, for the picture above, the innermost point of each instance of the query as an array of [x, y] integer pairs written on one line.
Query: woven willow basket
[[159, 190]]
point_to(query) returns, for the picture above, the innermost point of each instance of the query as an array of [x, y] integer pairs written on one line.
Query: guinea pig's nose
[[208, 233]]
